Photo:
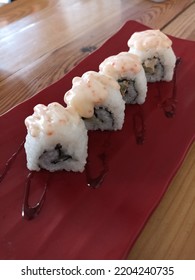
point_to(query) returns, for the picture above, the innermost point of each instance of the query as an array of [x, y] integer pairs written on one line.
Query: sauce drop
[[139, 128], [10, 162], [169, 104], [95, 182], [98, 162], [30, 212]]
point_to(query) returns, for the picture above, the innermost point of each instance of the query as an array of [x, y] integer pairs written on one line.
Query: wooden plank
[[183, 26], [42, 40]]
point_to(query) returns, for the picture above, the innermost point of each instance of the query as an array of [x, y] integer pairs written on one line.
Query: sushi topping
[[122, 65], [88, 91], [139, 127], [128, 90], [55, 156], [45, 119], [149, 39]]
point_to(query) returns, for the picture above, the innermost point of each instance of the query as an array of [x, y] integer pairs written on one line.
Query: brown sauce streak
[[169, 105], [31, 212], [139, 128], [10, 162], [97, 181]]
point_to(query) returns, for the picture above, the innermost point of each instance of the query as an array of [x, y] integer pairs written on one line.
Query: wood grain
[[42, 40], [183, 26]]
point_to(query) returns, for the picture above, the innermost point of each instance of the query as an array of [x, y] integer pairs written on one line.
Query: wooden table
[[40, 40]]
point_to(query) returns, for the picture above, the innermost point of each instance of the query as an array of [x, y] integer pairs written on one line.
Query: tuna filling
[[154, 69], [128, 91], [102, 119]]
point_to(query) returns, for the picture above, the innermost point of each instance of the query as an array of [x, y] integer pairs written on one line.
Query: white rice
[[73, 139], [167, 59]]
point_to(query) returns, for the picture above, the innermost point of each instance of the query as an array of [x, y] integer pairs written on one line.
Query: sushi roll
[[127, 70], [56, 139], [155, 51], [97, 100]]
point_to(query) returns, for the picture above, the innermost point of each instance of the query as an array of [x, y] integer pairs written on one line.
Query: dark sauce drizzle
[[139, 128], [31, 212], [97, 181], [169, 105], [10, 162]]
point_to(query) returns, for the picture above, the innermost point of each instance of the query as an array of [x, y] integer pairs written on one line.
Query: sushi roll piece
[[56, 139], [155, 51], [97, 100], [127, 70]]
